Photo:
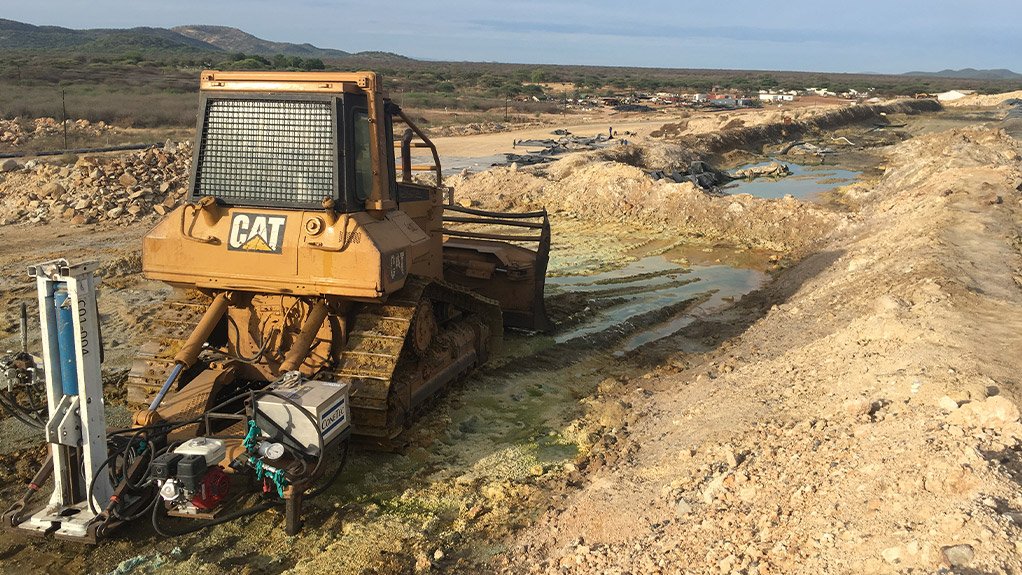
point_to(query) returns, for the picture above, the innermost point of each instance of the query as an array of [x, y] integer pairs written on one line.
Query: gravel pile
[[111, 190]]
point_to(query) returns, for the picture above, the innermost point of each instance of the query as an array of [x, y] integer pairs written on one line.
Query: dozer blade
[[502, 256]]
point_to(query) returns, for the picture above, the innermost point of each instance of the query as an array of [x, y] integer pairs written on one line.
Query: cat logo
[[398, 266], [257, 233]]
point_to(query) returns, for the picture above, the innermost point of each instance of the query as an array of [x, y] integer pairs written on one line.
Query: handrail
[[196, 210], [497, 221], [429, 144], [515, 215], [486, 236]]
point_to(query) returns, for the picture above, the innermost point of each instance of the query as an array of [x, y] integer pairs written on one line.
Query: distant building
[[952, 95], [769, 97], [731, 102]]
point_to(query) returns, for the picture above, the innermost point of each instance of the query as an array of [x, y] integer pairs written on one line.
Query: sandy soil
[[854, 415], [864, 419]]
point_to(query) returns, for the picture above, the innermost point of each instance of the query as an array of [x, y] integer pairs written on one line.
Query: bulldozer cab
[[293, 140], [295, 189]]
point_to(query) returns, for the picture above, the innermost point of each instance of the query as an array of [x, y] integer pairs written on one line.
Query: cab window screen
[[266, 152], [363, 156]]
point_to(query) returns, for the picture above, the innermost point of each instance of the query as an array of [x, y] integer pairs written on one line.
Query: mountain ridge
[[230, 39], [188, 39], [970, 74]]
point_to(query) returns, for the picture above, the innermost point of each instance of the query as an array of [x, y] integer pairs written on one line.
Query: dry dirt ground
[[854, 414]]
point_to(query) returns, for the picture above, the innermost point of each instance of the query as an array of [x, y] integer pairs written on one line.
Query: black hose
[[137, 431], [312, 419], [145, 509], [27, 415], [259, 352], [219, 520], [95, 476]]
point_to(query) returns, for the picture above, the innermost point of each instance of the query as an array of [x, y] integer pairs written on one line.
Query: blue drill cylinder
[[65, 340]]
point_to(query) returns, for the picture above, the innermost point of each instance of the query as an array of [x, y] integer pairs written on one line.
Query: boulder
[[995, 412], [127, 180], [52, 190]]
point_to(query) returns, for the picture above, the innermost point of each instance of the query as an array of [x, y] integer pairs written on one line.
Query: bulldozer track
[[377, 359], [381, 365], [174, 322]]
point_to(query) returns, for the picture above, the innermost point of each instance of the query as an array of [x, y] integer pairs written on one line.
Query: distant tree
[[532, 90], [313, 64], [511, 89]]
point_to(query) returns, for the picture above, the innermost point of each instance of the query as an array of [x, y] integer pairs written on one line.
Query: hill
[[970, 74], [231, 39], [183, 40], [26, 37]]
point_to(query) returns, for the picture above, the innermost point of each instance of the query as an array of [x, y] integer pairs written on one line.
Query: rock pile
[[19, 132], [95, 189], [771, 170]]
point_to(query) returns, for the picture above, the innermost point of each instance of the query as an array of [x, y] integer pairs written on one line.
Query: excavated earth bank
[[862, 418]]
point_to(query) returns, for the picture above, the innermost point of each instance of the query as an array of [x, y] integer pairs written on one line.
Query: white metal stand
[[76, 429]]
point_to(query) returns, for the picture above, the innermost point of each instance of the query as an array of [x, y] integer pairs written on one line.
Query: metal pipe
[[300, 349], [189, 352], [121, 148], [65, 340], [174, 373]]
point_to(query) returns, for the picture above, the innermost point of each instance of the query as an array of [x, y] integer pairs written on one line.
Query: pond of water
[[805, 182]]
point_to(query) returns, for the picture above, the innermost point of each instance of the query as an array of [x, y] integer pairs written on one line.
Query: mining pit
[[816, 373]]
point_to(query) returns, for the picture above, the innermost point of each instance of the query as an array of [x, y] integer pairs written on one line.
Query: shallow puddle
[[805, 182], [454, 165], [650, 284]]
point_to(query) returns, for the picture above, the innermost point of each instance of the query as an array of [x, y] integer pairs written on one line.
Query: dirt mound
[[110, 189], [585, 188], [480, 128], [865, 420], [792, 127], [983, 100]]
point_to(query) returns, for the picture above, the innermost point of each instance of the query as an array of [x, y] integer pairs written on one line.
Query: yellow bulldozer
[[312, 254], [329, 285]]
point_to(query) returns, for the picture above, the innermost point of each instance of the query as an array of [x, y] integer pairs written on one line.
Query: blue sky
[[850, 36]]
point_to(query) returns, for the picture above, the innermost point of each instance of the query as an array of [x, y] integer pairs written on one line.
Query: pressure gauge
[[271, 450]]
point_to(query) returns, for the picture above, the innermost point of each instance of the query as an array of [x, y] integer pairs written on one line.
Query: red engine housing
[[213, 489]]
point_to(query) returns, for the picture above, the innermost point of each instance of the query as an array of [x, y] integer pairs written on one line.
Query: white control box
[[326, 402]]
